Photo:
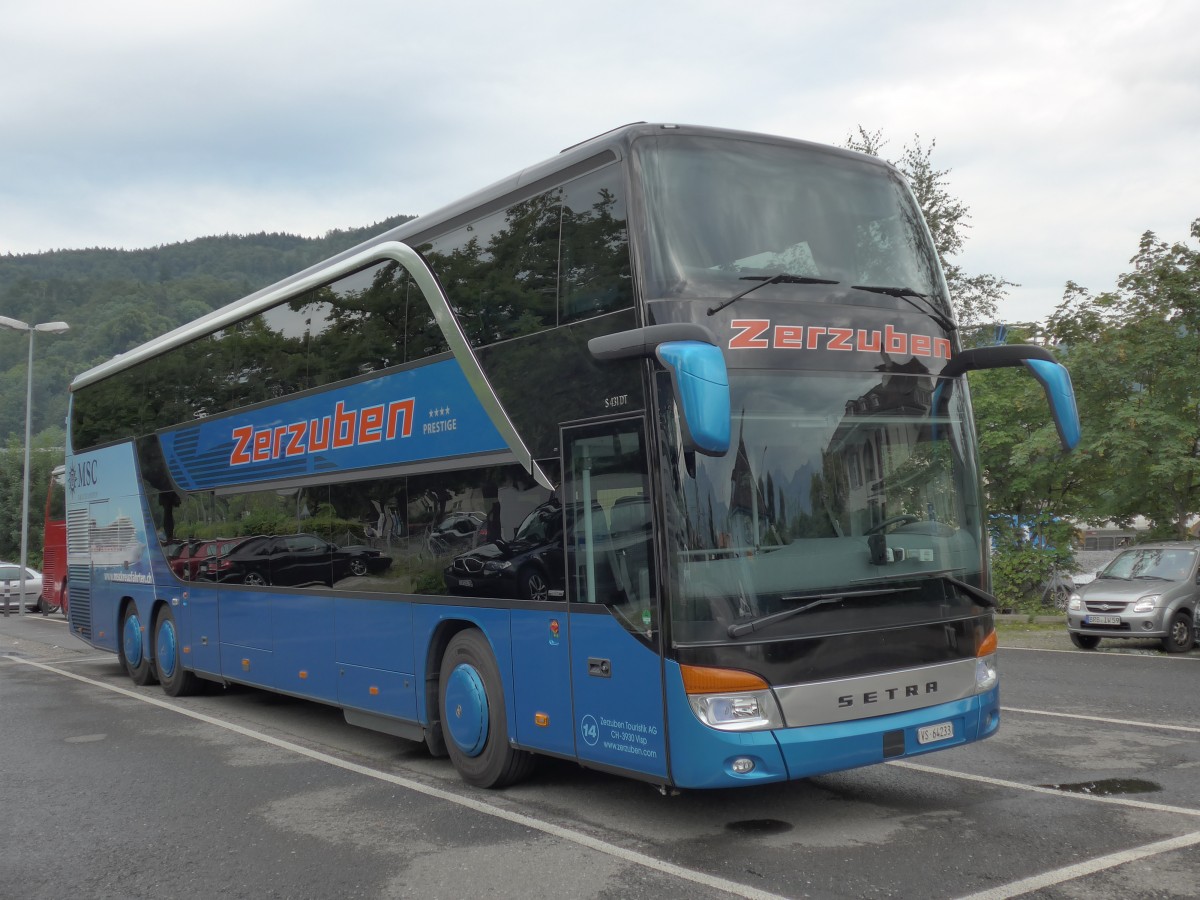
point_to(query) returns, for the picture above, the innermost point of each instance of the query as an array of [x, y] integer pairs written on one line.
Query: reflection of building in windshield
[[876, 464]]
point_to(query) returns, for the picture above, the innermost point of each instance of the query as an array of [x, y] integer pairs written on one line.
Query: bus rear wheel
[[131, 648], [176, 681], [474, 720]]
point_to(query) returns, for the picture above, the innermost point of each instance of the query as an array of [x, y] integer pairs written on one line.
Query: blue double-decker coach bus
[[657, 456]]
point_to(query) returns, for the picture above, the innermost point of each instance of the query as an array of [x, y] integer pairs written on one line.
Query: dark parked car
[[457, 531], [191, 557], [293, 559], [531, 566], [1149, 591]]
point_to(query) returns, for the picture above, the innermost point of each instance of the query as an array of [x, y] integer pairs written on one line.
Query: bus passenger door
[[616, 672]]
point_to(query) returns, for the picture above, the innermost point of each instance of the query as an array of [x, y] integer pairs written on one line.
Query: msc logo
[[83, 474]]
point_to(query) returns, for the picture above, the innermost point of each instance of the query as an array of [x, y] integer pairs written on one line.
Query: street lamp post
[[50, 328]]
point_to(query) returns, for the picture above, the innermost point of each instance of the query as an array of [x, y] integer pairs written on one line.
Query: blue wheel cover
[[467, 709], [165, 648], [132, 640]]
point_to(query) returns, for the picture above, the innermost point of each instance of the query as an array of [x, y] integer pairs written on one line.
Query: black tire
[[1085, 641], [532, 584], [255, 579], [45, 607], [474, 720], [1180, 636], [132, 648], [1056, 597], [176, 681], [358, 567]]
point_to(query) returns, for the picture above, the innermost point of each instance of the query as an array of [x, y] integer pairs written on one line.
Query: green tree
[[1134, 355], [975, 297]]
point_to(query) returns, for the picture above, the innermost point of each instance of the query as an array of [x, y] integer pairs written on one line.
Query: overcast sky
[[1069, 128]]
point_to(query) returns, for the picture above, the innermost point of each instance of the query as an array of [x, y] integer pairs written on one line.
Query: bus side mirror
[[701, 385], [698, 377], [1053, 376]]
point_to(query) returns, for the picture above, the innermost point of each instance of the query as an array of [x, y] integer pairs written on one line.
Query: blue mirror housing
[[1054, 378], [1060, 394], [688, 351], [701, 384]]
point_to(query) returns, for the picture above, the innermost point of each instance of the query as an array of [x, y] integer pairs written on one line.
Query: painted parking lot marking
[[1088, 867], [525, 821], [1058, 715], [1038, 789], [1110, 652]]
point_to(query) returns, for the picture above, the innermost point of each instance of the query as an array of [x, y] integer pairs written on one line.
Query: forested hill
[[116, 299]]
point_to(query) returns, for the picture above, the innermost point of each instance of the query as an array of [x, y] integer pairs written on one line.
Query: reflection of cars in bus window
[[529, 566], [293, 559], [457, 531]]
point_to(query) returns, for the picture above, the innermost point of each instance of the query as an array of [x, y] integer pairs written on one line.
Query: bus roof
[[575, 160]]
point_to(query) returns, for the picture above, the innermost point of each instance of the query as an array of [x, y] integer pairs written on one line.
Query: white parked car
[[10, 586]]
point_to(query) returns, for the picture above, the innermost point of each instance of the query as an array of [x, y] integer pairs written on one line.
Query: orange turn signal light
[[703, 680], [988, 645]]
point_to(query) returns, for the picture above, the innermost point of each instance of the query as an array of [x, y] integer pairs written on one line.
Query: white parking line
[[1038, 712], [525, 821], [1037, 789], [1129, 654], [78, 659], [1079, 870], [35, 617]]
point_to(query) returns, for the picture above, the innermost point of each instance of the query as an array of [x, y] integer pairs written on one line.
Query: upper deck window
[[720, 210]]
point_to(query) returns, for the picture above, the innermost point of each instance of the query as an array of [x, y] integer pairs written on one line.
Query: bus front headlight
[[731, 699], [986, 675], [737, 712]]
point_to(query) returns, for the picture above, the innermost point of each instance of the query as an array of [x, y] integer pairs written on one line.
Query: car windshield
[[848, 485], [542, 525], [1152, 563]]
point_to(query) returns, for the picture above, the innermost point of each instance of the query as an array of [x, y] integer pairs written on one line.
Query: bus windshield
[[841, 487], [721, 212]]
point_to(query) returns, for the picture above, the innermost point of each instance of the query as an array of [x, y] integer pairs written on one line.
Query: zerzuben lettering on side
[[345, 428]]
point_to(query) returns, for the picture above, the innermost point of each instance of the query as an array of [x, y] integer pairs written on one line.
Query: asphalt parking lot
[[1091, 789]]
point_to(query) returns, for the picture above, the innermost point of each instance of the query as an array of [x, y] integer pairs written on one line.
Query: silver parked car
[[10, 586], [1149, 591]]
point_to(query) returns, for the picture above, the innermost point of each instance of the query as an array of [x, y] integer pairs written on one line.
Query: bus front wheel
[[474, 719], [132, 648]]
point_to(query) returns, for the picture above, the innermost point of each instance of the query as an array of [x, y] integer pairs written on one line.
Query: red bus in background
[[54, 545]]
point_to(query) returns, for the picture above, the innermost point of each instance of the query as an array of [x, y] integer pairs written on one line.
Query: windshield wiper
[[740, 628], [906, 294], [763, 281], [975, 593]]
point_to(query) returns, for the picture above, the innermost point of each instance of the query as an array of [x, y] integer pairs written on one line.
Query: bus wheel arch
[[474, 714], [133, 644]]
